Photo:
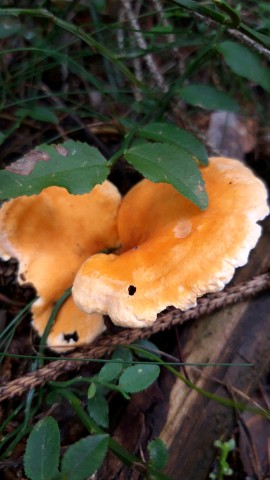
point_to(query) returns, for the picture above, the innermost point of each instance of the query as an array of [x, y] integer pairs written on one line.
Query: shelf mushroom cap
[[172, 252], [51, 234]]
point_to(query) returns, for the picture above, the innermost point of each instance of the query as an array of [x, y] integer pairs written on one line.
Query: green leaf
[[145, 344], [99, 5], [203, 10], [84, 457], [169, 133], [41, 456], [110, 371], [73, 165], [91, 390], [168, 163], [250, 32], [124, 354], [158, 453], [9, 27], [2, 137], [245, 63], [208, 97], [42, 114], [138, 377], [265, 7], [98, 409], [161, 29]]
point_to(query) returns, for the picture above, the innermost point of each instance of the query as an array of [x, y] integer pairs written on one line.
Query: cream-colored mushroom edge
[[172, 252]]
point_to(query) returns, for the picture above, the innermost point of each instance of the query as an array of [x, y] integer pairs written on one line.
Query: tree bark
[[237, 334]]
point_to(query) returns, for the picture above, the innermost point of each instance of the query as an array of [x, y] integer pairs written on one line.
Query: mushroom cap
[[72, 326], [51, 234], [172, 252]]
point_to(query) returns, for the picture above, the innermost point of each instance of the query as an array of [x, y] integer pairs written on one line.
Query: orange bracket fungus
[[173, 253], [51, 234]]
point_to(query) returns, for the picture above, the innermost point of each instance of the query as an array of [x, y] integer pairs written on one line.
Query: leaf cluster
[[83, 458], [41, 459], [41, 40], [172, 156], [223, 468]]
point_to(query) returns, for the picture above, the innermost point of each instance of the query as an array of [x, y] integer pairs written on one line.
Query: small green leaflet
[[250, 32], [245, 63], [84, 457], [73, 165], [138, 377], [169, 133], [110, 371], [91, 391], [98, 409], [208, 97], [42, 114], [161, 162], [124, 354], [265, 7], [147, 347], [41, 456], [158, 453], [9, 27]]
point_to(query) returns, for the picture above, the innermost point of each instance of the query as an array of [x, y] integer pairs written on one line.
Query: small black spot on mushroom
[[131, 290], [22, 277], [71, 336]]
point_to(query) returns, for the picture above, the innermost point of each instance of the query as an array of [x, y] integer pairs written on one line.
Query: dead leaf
[[25, 165], [231, 134], [254, 442]]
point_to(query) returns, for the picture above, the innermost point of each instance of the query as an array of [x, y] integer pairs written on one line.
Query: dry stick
[[265, 52], [158, 76], [107, 344], [137, 62], [249, 42], [143, 45], [171, 37], [159, 8]]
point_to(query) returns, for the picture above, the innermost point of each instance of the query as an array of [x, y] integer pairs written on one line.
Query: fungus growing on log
[[172, 252], [51, 234]]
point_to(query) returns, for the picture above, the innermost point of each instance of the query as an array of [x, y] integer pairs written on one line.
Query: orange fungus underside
[[51, 235]]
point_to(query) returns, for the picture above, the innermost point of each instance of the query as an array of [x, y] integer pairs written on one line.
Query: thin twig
[[149, 59], [106, 344], [249, 42], [265, 52]]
